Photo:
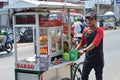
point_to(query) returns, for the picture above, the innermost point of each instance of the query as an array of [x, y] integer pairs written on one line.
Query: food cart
[[46, 46]]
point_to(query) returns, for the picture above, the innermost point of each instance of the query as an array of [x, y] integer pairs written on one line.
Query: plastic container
[[73, 55], [66, 56]]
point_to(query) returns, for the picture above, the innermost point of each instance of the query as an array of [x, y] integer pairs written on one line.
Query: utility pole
[[8, 19], [98, 8], [117, 9], [111, 5]]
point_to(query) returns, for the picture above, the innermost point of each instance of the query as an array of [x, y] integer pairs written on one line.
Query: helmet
[[76, 19], [2, 32]]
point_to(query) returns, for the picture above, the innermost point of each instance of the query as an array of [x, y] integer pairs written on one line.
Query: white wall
[[4, 17], [4, 20]]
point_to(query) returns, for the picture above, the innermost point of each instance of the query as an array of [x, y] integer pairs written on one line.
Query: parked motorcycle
[[11, 36], [23, 34], [8, 47], [26, 34]]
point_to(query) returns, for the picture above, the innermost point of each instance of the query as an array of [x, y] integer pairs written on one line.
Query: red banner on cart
[[50, 23], [44, 50]]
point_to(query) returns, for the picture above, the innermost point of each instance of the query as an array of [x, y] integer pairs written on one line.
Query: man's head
[[91, 19], [91, 15]]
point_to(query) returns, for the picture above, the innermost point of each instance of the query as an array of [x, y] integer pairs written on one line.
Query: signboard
[[44, 50], [117, 1], [25, 66]]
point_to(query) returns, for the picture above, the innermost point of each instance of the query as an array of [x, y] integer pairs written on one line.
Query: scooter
[[8, 47]]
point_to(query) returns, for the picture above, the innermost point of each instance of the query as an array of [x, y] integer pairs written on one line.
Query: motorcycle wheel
[[9, 47], [28, 35]]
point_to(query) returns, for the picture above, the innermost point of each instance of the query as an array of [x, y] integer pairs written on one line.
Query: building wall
[[3, 14], [103, 8]]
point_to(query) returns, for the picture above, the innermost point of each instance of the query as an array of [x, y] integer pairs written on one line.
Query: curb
[[23, 44]]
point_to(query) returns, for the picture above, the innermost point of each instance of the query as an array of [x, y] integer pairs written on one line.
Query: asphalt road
[[111, 54]]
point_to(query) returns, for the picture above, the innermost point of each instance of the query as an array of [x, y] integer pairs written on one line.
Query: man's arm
[[90, 47], [73, 25], [78, 47]]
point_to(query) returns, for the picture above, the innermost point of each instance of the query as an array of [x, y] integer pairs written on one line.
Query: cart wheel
[[76, 71]]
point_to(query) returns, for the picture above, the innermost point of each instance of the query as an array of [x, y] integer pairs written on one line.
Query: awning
[[42, 4], [109, 13]]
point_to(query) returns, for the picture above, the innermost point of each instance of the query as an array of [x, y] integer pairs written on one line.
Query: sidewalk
[[118, 27], [23, 44]]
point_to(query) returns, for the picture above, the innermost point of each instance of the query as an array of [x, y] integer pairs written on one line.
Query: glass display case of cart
[[51, 42]]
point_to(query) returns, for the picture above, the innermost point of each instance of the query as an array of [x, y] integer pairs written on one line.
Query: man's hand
[[80, 52]]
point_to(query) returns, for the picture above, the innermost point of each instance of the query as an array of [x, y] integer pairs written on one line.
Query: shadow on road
[[5, 54]]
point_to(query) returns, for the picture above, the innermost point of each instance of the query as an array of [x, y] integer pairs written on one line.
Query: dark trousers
[[87, 68]]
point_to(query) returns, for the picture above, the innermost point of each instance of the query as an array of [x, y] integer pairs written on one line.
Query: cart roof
[[42, 4]]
